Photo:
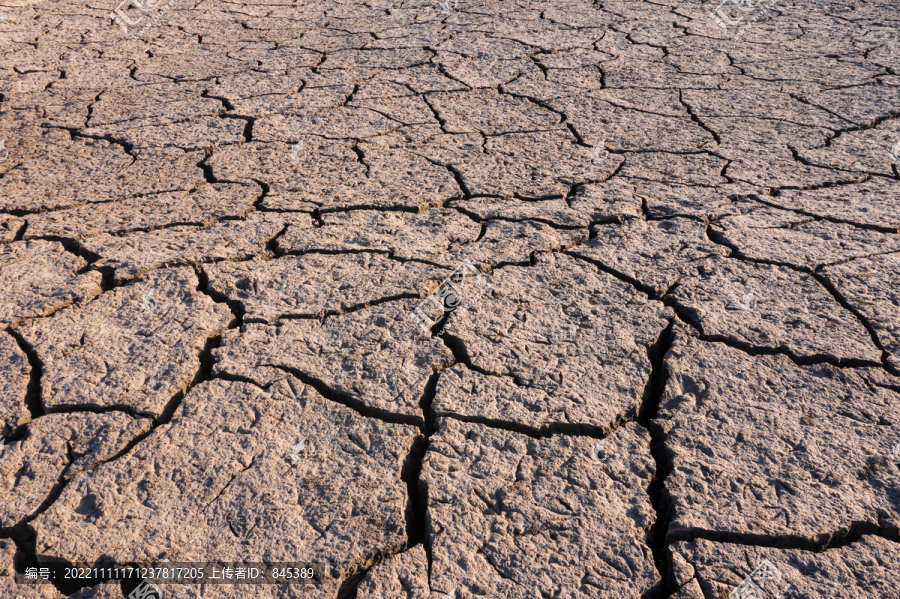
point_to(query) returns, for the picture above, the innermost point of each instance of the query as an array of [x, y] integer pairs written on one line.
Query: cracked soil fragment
[[556, 345], [134, 347], [763, 449], [228, 471], [509, 515], [384, 360]]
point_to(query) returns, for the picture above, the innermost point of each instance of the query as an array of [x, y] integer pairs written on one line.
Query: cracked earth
[[215, 232]]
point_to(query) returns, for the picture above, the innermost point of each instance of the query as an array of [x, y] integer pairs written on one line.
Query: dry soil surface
[[233, 234]]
